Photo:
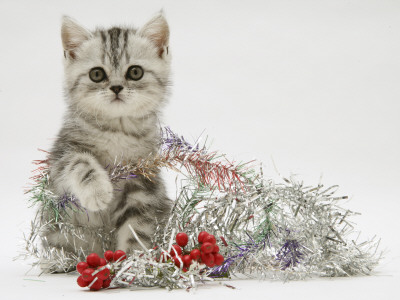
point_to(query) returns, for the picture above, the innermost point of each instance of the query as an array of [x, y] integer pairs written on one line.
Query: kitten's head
[[116, 72]]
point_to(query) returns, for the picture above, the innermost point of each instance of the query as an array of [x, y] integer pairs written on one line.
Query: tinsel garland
[[266, 230]]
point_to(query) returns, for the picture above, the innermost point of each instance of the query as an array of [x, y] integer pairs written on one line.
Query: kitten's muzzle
[[116, 89]]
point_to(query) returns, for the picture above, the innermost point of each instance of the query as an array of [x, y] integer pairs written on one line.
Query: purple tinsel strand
[[290, 255], [244, 251], [130, 176], [66, 201], [171, 139]]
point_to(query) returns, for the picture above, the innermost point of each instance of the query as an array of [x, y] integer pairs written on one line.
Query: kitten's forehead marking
[[114, 45]]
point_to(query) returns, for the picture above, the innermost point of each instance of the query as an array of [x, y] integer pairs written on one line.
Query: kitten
[[116, 81]]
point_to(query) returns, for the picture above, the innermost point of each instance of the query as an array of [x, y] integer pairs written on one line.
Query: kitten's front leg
[[83, 176], [140, 217], [143, 206]]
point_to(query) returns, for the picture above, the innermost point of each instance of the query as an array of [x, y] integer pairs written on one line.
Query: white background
[[311, 85]]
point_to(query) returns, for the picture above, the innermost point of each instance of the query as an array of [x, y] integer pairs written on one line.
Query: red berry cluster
[[207, 252], [95, 273]]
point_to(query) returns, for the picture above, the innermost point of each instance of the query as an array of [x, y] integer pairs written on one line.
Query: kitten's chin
[[117, 100]]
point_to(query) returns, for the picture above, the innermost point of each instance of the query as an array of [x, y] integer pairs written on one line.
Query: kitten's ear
[[72, 35], [157, 31]]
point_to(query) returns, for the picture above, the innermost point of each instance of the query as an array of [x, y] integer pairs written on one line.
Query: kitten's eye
[[97, 74], [134, 73]]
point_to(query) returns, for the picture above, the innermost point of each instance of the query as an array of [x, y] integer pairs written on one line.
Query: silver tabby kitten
[[116, 83]]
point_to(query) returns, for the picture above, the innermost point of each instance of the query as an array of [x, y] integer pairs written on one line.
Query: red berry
[[80, 267], [119, 255], [204, 257], [218, 259], [93, 260], [96, 285], [207, 248], [202, 235], [178, 260], [182, 239], [81, 282], [210, 239], [103, 262], [109, 255], [177, 249], [184, 269], [195, 254], [87, 275], [106, 283], [103, 274], [187, 260], [207, 259], [215, 249]]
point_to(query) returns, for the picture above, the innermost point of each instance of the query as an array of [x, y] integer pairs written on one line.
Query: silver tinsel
[[284, 231], [264, 229]]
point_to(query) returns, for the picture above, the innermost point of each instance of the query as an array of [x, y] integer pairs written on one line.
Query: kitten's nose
[[116, 89]]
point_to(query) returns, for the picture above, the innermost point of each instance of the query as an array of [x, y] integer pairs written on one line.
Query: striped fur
[[99, 130]]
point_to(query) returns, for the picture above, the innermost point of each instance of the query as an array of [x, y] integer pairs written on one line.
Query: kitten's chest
[[116, 146]]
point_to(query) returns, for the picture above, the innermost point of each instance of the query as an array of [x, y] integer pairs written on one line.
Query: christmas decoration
[[227, 220], [206, 252], [182, 239], [96, 273]]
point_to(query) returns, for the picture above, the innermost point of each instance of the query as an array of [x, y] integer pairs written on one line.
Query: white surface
[[313, 84]]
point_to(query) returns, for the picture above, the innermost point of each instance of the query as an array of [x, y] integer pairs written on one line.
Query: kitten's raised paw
[[97, 193]]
